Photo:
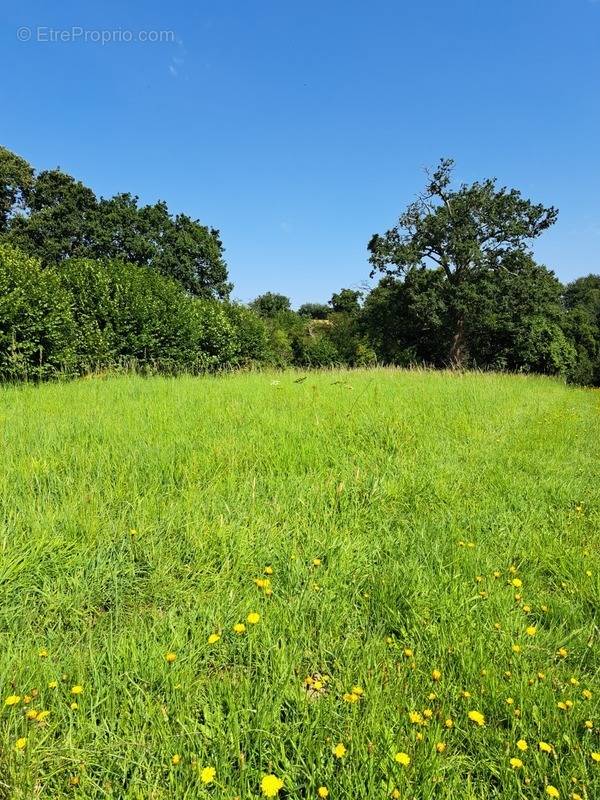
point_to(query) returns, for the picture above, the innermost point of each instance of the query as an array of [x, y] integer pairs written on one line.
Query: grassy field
[[415, 558]]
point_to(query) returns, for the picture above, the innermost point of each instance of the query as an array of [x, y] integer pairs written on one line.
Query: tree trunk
[[458, 350]]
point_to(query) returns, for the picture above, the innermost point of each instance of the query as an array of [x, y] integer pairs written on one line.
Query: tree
[[63, 219], [582, 303], [16, 177], [314, 310], [270, 304], [346, 301], [474, 228]]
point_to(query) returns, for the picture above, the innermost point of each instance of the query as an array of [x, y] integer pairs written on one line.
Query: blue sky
[[299, 129]]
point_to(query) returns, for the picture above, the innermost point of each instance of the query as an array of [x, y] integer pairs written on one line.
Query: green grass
[[408, 487]]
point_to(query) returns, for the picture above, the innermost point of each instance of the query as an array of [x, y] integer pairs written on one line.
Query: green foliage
[[270, 304], [314, 310], [36, 324], [65, 220], [462, 232], [253, 345], [127, 313], [346, 301], [582, 301]]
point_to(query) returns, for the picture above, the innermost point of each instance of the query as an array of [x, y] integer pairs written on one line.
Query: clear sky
[[299, 129]]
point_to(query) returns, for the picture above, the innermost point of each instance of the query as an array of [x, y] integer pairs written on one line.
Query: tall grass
[[137, 513]]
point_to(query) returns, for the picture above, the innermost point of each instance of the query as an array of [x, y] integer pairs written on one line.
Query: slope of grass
[[418, 546]]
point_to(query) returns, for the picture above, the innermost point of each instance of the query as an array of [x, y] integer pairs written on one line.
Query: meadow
[[361, 584]]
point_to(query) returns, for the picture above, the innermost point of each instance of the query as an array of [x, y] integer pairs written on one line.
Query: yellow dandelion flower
[[408, 652], [74, 706], [436, 675], [531, 630], [465, 694], [271, 785], [573, 681], [526, 609], [449, 723], [431, 696], [541, 676], [21, 744], [358, 690], [427, 713], [497, 573], [545, 747], [176, 759], [517, 583], [253, 618], [350, 697], [74, 780], [268, 570], [214, 638], [317, 562], [339, 751], [43, 653], [239, 627], [509, 701], [323, 791], [562, 652], [477, 717], [415, 717], [396, 794], [516, 648], [170, 658], [31, 714], [440, 747], [586, 694], [516, 763], [522, 745], [208, 775], [12, 700], [402, 758], [588, 724], [561, 705], [552, 791], [419, 736], [77, 689], [53, 684], [596, 757], [42, 715]]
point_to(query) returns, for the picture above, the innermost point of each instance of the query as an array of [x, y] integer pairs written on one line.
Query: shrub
[[36, 324]]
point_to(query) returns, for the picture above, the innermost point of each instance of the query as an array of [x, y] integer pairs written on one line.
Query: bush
[[251, 335], [36, 323]]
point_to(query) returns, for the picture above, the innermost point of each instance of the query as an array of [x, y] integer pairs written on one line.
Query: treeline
[[89, 284]]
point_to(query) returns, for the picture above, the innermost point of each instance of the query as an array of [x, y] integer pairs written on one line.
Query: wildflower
[[545, 747], [465, 694], [586, 694], [428, 713], [262, 583], [358, 690], [208, 775], [323, 791], [12, 700], [419, 736], [497, 573], [449, 723], [339, 751], [552, 791], [526, 609], [415, 718], [576, 796], [509, 701], [170, 657], [53, 684], [31, 714], [522, 745], [588, 724], [402, 758], [317, 562], [596, 757], [42, 715], [351, 697], [436, 675], [176, 759], [478, 578], [268, 570], [471, 544], [270, 785], [544, 608], [43, 653], [21, 744], [77, 689], [562, 652], [516, 648], [408, 652], [213, 638], [431, 696], [477, 717], [239, 627], [253, 618], [497, 626], [440, 747], [541, 676], [573, 681], [74, 780], [516, 763], [26, 699], [512, 569], [517, 583], [531, 630], [74, 706], [396, 794]]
